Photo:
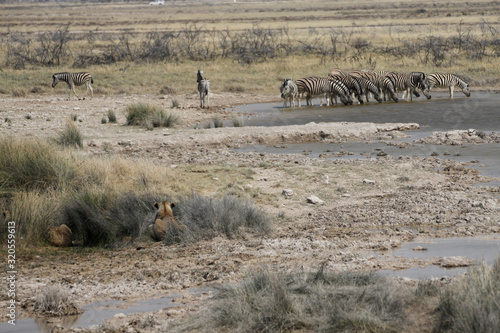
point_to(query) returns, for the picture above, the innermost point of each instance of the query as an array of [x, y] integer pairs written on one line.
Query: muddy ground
[[369, 205]]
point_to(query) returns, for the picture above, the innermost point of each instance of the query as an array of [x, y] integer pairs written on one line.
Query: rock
[[453, 262], [314, 200], [419, 248], [368, 181], [287, 193], [60, 236]]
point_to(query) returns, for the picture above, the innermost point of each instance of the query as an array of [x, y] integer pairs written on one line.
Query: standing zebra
[[74, 79], [349, 81], [408, 83], [442, 80], [289, 91], [314, 85], [203, 90]]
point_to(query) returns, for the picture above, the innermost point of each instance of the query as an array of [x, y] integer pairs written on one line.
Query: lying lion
[[165, 220]]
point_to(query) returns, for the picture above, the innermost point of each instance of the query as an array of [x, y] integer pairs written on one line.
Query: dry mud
[[370, 205]]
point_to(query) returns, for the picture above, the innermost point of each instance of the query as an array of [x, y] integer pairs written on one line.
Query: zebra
[[289, 91], [376, 77], [74, 79], [368, 87], [314, 85], [203, 90], [389, 88], [349, 81], [446, 80], [338, 88], [408, 82]]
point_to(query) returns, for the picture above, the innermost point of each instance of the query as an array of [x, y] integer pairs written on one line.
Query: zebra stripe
[[408, 82], [338, 88], [203, 90], [74, 79], [442, 80], [368, 87], [376, 77], [289, 91], [349, 81], [389, 88], [314, 86]]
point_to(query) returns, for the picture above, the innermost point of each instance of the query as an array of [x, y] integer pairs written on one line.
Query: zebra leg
[[451, 91], [89, 87], [208, 100], [72, 89]]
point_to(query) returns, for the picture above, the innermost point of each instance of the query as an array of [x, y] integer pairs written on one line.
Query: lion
[[60, 236], [164, 220]]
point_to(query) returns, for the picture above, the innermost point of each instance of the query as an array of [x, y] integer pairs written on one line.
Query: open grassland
[[135, 48]]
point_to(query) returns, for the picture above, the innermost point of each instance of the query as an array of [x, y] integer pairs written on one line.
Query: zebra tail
[[91, 79]]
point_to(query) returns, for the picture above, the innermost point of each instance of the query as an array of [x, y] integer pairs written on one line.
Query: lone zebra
[[203, 90], [442, 80], [289, 90], [74, 79]]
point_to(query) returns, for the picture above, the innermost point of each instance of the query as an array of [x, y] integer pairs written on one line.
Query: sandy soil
[[370, 205]]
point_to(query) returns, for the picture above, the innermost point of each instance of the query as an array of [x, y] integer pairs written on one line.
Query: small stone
[[287, 193], [314, 200]]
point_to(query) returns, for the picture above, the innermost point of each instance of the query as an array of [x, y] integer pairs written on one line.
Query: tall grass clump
[[55, 302], [70, 136], [34, 211], [100, 217], [26, 164], [111, 116], [149, 116], [473, 305], [207, 217], [312, 302]]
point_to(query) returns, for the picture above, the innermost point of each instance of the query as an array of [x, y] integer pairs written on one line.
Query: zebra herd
[[340, 84], [359, 84]]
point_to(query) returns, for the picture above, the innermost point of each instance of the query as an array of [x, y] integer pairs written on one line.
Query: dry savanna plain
[[255, 251]]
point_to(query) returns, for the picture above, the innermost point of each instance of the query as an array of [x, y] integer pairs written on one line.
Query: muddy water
[[481, 249], [96, 314], [480, 112]]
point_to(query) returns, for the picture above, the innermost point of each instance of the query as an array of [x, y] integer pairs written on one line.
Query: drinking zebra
[[353, 85], [203, 90], [389, 88], [368, 87], [443, 80], [408, 83], [289, 91], [376, 77], [314, 86], [74, 79]]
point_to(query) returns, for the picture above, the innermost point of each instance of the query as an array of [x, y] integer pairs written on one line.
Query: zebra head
[[55, 80], [463, 85], [285, 87], [199, 77]]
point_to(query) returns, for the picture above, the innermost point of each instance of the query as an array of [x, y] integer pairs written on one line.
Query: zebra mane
[[461, 81]]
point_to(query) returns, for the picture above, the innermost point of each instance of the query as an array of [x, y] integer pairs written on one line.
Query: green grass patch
[[149, 116]]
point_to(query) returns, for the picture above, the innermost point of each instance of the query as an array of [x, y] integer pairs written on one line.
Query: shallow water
[[96, 314], [480, 112], [480, 249]]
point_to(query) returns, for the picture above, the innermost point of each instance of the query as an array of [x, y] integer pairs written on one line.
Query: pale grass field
[[382, 24]]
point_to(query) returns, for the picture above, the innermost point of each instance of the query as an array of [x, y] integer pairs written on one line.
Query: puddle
[[480, 249], [96, 314]]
